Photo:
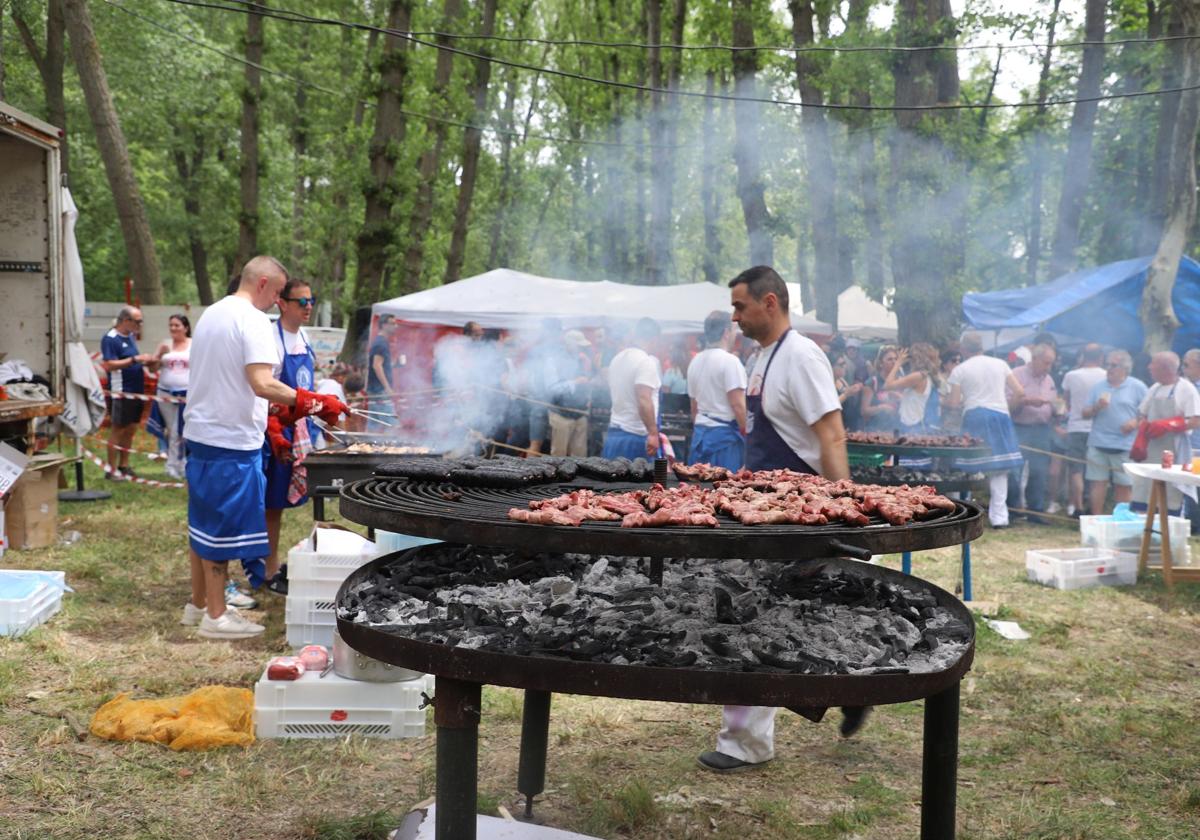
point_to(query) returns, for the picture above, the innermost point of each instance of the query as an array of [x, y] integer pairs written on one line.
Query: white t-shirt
[[222, 410], [629, 368], [981, 379], [1187, 398], [1076, 385], [799, 391], [710, 378]]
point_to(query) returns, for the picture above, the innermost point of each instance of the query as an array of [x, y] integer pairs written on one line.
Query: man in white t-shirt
[[233, 364], [794, 421], [979, 385], [634, 380], [716, 381], [1170, 409], [1076, 385]]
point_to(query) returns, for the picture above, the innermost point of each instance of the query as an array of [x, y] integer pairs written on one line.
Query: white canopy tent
[[513, 300], [863, 318]]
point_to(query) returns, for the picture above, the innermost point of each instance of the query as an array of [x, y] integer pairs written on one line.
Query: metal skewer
[[327, 429], [374, 416]]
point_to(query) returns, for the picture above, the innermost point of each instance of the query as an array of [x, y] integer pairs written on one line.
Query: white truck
[[32, 294]]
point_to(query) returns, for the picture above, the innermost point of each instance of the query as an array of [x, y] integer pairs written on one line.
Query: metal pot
[[352, 665]]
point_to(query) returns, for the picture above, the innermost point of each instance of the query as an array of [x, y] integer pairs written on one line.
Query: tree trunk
[[131, 211], [497, 255], [926, 197], [50, 66], [377, 235], [863, 149], [1168, 109], [750, 189], [422, 215], [1078, 166], [1033, 254], [248, 168], [708, 198], [187, 166], [658, 262], [822, 178], [299, 157], [1157, 313], [472, 140]]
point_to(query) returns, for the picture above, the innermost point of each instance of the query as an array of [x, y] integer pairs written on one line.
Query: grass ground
[[1087, 730]]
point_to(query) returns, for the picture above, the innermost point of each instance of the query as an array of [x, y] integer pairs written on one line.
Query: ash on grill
[[724, 615]]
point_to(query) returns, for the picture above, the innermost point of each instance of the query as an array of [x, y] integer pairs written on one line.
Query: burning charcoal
[[723, 607], [718, 643]]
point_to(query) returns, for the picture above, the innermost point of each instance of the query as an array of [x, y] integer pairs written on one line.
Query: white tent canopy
[[512, 300], [863, 318]]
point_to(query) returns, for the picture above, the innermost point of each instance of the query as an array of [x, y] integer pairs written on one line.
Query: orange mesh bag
[[212, 716]]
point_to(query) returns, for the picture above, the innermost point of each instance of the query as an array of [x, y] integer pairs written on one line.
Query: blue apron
[[297, 372], [721, 446], [765, 449]]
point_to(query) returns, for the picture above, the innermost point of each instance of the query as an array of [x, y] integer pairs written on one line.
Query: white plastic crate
[[28, 598], [331, 706], [337, 554], [310, 620], [1126, 535], [1080, 568]]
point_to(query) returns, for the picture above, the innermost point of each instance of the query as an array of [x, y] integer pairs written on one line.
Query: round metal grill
[[480, 516]]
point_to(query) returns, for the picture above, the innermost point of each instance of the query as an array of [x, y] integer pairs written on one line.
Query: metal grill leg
[[535, 733], [318, 508], [456, 713], [939, 770], [966, 571]]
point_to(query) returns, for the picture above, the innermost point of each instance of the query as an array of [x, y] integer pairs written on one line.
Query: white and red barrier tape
[[148, 482], [127, 395], [153, 455]]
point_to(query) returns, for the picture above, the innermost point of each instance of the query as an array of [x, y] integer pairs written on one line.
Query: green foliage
[[577, 209]]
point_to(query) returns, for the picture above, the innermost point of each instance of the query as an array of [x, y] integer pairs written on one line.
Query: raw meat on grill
[[933, 441], [700, 472]]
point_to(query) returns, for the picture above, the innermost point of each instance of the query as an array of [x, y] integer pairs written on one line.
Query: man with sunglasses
[[126, 375], [287, 446]]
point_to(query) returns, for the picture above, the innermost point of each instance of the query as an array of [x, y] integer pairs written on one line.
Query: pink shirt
[[1043, 387]]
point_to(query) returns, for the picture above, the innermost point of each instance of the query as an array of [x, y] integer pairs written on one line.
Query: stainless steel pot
[[352, 665]]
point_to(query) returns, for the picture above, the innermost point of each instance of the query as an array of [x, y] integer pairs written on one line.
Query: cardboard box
[[31, 510]]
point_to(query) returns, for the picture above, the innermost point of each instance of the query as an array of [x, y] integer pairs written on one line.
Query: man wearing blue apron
[[286, 446], [717, 385], [794, 421]]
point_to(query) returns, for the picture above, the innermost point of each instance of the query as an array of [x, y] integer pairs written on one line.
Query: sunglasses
[[134, 320], [303, 301]]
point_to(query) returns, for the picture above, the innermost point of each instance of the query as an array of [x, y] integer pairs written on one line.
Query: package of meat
[[313, 657], [285, 668]]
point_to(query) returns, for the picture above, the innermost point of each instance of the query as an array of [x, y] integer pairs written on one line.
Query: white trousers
[[176, 458], [998, 503], [747, 733]]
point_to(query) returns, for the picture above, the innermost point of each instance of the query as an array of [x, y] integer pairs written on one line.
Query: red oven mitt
[[285, 413], [326, 406], [1141, 443], [281, 447], [1158, 428]]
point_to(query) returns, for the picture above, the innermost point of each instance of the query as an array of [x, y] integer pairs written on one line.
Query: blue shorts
[[619, 443], [226, 517]]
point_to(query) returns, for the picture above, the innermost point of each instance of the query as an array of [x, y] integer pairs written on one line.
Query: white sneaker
[[1054, 507], [235, 597], [191, 615], [231, 625]]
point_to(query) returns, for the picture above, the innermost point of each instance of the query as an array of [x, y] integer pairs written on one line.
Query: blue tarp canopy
[[1092, 304]]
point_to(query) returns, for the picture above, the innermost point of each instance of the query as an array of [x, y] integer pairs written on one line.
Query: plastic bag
[[1122, 513], [212, 716]]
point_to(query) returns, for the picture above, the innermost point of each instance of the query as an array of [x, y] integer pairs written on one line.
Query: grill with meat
[[767, 497]]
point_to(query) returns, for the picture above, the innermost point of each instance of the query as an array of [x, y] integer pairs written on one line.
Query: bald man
[[1169, 410], [234, 362]]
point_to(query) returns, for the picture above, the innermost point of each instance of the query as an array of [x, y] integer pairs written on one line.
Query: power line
[[785, 48], [299, 17], [370, 104]]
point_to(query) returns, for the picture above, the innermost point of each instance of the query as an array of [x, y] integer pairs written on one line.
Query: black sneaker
[[278, 583], [719, 762]]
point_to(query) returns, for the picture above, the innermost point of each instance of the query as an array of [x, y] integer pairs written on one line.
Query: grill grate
[[480, 515]]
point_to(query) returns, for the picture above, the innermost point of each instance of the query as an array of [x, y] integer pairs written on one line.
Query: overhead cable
[[298, 17]]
